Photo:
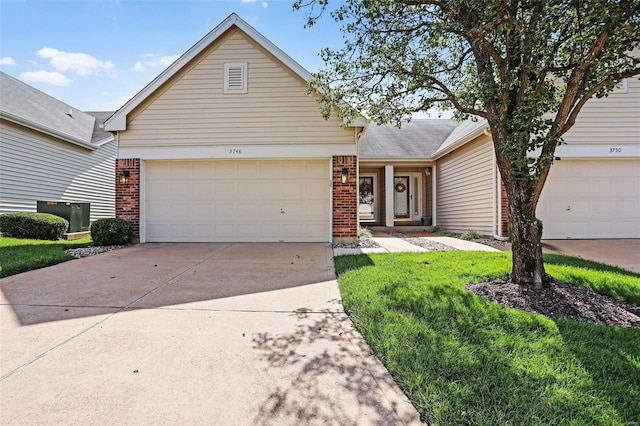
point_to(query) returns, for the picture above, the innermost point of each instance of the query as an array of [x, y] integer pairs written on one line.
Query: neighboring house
[[593, 191], [225, 145], [50, 151]]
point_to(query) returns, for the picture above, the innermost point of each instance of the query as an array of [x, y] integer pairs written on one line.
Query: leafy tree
[[527, 67]]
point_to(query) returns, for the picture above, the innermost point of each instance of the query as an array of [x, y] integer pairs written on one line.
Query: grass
[[21, 255], [463, 360]]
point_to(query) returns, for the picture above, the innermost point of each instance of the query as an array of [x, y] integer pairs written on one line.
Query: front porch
[[395, 195]]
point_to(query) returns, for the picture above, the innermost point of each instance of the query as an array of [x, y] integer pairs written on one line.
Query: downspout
[[433, 196]]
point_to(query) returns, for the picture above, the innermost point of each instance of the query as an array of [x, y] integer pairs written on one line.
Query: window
[[235, 78], [366, 208]]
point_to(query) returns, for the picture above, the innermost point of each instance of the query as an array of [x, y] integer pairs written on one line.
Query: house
[[225, 145], [592, 191], [51, 151]]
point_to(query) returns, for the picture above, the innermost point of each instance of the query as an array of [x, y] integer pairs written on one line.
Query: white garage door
[[237, 201], [591, 199]]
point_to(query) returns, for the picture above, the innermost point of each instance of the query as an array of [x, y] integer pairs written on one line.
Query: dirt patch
[[560, 300]]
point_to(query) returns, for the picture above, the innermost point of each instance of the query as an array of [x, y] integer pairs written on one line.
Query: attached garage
[[585, 199], [237, 201], [226, 145]]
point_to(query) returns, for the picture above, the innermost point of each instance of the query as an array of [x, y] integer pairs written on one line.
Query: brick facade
[[128, 194], [504, 223], [345, 199]]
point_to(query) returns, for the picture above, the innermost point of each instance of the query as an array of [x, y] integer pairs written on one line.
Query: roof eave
[[118, 121], [462, 140], [46, 130]]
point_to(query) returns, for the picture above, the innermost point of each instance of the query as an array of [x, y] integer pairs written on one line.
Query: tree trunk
[[528, 265]]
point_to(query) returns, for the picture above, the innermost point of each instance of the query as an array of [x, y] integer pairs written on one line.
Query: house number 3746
[[235, 151]]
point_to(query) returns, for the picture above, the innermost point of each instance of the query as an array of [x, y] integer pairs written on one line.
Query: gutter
[[47, 131]]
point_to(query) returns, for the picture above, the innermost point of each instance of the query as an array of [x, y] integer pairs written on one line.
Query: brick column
[[128, 194], [345, 199]]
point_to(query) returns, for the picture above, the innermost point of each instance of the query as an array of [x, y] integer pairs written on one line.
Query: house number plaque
[[235, 151]]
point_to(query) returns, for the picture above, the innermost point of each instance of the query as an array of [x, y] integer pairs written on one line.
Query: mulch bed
[[560, 300]]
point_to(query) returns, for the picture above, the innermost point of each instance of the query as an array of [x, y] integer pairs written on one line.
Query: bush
[[471, 235], [364, 233], [36, 226], [111, 232]]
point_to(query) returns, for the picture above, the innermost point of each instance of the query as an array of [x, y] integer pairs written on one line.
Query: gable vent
[[235, 78]]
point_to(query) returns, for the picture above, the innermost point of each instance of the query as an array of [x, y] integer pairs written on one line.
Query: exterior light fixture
[[345, 173], [124, 177], [427, 171]]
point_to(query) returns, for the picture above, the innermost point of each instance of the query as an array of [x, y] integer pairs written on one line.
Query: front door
[[401, 202]]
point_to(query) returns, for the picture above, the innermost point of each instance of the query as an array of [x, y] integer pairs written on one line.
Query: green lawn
[[463, 360], [21, 255]]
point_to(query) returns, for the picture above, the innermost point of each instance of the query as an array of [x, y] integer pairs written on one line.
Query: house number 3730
[[235, 151]]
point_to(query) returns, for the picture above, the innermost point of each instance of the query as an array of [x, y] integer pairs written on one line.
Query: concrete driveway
[[622, 253], [225, 334]]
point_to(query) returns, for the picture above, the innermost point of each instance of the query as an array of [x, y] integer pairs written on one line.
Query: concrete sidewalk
[[190, 334], [390, 244]]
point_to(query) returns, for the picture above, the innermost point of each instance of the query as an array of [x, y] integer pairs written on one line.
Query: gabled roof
[[32, 108], [418, 139], [465, 132], [119, 120]]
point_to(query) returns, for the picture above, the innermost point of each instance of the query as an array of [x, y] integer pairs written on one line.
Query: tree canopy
[[527, 67]]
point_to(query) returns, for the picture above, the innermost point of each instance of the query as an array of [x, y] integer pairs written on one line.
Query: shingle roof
[[98, 128], [29, 104], [416, 139]]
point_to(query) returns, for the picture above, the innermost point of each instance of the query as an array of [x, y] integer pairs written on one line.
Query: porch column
[[388, 192], [434, 195]]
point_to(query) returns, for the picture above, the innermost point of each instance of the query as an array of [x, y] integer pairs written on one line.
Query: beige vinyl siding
[[611, 120], [465, 188], [36, 167], [192, 110]]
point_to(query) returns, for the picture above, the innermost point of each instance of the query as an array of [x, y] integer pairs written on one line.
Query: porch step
[[407, 228]]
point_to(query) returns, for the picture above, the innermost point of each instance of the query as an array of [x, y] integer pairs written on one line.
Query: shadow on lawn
[[461, 357], [338, 387]]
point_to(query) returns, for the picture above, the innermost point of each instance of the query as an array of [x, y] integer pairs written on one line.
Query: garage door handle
[[281, 211]]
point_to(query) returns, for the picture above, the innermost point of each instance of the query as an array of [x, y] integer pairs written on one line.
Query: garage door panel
[[235, 200], [591, 199]]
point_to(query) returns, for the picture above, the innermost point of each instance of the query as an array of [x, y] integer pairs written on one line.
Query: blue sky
[[95, 55]]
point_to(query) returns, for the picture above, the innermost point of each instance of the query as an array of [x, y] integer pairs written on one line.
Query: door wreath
[[401, 187]]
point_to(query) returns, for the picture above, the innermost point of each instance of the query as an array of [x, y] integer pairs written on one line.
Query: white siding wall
[[191, 110], [35, 167], [611, 120], [465, 188]]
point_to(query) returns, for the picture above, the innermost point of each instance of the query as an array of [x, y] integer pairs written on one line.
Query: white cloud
[[264, 4], [168, 60], [80, 63], [42, 76], [154, 60], [8, 60]]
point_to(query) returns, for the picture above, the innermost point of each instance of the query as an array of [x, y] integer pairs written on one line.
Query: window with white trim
[[235, 77]]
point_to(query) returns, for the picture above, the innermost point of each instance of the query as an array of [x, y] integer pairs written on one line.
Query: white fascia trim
[[397, 160], [105, 140], [118, 121], [476, 133], [601, 151], [236, 152], [47, 131]]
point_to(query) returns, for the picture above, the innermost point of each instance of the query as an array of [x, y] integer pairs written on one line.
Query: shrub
[[364, 233], [111, 232], [471, 235], [36, 226]]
